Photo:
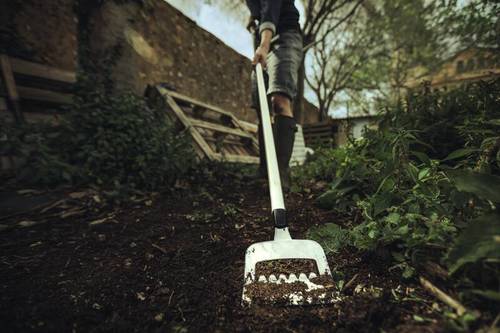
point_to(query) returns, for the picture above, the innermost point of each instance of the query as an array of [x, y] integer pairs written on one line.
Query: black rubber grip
[[279, 217]]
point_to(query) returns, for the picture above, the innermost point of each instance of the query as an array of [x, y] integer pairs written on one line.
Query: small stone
[[159, 317]]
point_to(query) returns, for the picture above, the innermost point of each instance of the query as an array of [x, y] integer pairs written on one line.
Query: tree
[[322, 18], [338, 58], [373, 53]]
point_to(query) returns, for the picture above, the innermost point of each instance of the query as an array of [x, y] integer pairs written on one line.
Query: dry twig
[[441, 295]]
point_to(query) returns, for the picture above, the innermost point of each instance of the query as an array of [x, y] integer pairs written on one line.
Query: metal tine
[[303, 277]]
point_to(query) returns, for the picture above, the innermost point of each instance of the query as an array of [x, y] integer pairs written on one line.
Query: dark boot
[[284, 134]]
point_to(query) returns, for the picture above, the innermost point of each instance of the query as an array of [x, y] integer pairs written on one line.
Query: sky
[[231, 31], [228, 29]]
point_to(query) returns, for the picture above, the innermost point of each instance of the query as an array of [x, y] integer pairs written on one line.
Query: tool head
[[306, 288]]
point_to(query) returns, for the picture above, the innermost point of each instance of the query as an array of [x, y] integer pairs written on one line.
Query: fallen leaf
[[140, 296], [77, 195], [25, 224], [28, 191]]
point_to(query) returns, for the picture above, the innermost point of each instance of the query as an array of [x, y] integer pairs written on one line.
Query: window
[[460, 66]]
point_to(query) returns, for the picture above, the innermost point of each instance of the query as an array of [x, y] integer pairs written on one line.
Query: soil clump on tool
[[285, 266]]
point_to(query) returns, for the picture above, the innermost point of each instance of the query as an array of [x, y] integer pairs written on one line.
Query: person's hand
[[260, 56], [251, 24]]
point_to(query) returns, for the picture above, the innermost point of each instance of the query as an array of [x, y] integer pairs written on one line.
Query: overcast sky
[[228, 29]]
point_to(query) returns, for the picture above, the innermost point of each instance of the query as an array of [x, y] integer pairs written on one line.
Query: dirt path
[[177, 265]]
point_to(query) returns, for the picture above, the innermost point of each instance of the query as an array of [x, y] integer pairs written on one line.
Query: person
[[278, 47]]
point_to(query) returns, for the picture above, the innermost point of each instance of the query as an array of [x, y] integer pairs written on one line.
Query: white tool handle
[[277, 202]]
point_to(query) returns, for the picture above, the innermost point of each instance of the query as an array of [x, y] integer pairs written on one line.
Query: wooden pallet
[[25, 80], [320, 134], [217, 134]]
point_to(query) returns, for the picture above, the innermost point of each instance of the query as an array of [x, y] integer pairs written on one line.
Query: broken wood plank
[[193, 101], [236, 158], [219, 128], [10, 85], [44, 95], [185, 121], [33, 69]]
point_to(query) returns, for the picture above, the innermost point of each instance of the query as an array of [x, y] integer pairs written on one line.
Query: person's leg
[[283, 65]]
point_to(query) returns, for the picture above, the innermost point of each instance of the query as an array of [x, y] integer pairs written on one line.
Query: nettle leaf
[[459, 153], [423, 173], [479, 240], [328, 199], [422, 157], [393, 218], [483, 185], [494, 122], [331, 236]]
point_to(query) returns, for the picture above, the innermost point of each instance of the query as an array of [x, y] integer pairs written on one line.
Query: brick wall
[[158, 43]]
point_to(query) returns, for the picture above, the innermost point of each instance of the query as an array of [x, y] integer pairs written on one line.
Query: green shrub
[[428, 172], [120, 141], [113, 142]]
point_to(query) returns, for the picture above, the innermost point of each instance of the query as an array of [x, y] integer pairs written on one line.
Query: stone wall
[[158, 44], [40, 30]]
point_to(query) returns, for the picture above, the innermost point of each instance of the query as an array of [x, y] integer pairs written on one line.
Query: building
[[469, 65]]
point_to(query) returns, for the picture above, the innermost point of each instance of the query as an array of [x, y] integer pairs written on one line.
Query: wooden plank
[[185, 121], [237, 158], [219, 128], [8, 77], [193, 101], [225, 141], [250, 127], [43, 71], [209, 107], [44, 95], [10, 84]]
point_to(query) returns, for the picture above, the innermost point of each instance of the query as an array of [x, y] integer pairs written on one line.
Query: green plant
[[427, 178], [33, 151], [120, 141], [114, 142]]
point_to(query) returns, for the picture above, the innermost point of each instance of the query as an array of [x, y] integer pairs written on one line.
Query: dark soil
[[286, 267], [175, 263]]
